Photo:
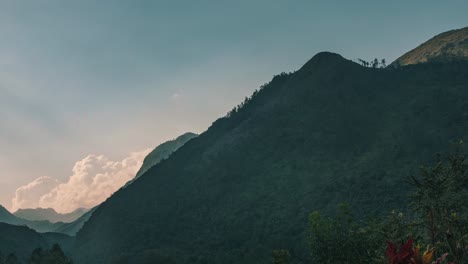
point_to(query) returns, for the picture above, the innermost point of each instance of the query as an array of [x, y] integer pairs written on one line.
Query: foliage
[[408, 254], [440, 198], [54, 255], [331, 132], [375, 63], [11, 259], [280, 256], [343, 239], [439, 221]]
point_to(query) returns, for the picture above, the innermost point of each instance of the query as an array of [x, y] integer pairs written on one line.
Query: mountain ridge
[[49, 214], [445, 47], [303, 142]]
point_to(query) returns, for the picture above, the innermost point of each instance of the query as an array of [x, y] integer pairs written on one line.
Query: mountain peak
[[323, 61], [448, 46]]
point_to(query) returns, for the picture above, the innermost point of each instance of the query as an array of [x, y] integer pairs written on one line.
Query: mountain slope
[[448, 46], [75, 226], [39, 226], [329, 133], [162, 152], [6, 216], [22, 240], [49, 214]]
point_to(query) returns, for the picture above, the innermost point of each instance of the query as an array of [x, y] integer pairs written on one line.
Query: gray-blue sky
[[112, 77]]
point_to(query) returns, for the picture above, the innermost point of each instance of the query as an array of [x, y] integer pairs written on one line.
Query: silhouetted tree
[[36, 256], [11, 259], [2, 258], [363, 62], [375, 63], [383, 63], [54, 255]]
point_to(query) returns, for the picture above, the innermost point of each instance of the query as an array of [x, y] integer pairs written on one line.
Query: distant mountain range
[[40, 226], [49, 214], [329, 133]]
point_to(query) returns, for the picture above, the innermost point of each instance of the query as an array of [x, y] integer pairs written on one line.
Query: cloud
[[27, 195], [94, 179], [177, 95]]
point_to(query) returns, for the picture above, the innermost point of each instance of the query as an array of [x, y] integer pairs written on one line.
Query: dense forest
[[332, 132], [54, 255]]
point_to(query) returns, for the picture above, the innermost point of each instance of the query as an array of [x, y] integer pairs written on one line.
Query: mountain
[[22, 240], [331, 132], [75, 226], [162, 152], [49, 214], [40, 226], [6, 216], [448, 46]]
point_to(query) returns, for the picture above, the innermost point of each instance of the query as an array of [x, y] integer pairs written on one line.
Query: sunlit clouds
[[94, 179]]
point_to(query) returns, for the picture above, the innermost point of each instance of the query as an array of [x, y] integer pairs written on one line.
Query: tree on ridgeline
[[383, 63], [375, 63]]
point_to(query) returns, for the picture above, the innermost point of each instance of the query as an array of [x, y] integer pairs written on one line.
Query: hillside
[[162, 152], [40, 226], [448, 46], [331, 132], [75, 226], [22, 240], [49, 214]]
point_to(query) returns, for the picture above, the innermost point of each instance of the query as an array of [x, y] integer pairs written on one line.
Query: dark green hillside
[[331, 132], [21, 241], [73, 227], [162, 152]]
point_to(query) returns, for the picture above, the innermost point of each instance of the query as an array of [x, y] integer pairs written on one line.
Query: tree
[[36, 256], [363, 62], [280, 256], [55, 255], [11, 259], [2, 258], [375, 63], [440, 198], [383, 63]]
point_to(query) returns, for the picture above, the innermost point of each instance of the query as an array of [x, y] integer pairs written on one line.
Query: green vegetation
[[331, 132], [440, 221], [54, 255]]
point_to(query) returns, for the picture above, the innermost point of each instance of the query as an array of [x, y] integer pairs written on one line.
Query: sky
[[88, 88]]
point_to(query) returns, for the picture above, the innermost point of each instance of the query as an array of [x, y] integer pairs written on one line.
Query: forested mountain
[[162, 152], [331, 132], [75, 226], [49, 214]]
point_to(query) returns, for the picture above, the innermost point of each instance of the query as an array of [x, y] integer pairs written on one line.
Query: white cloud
[[94, 179], [27, 195]]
